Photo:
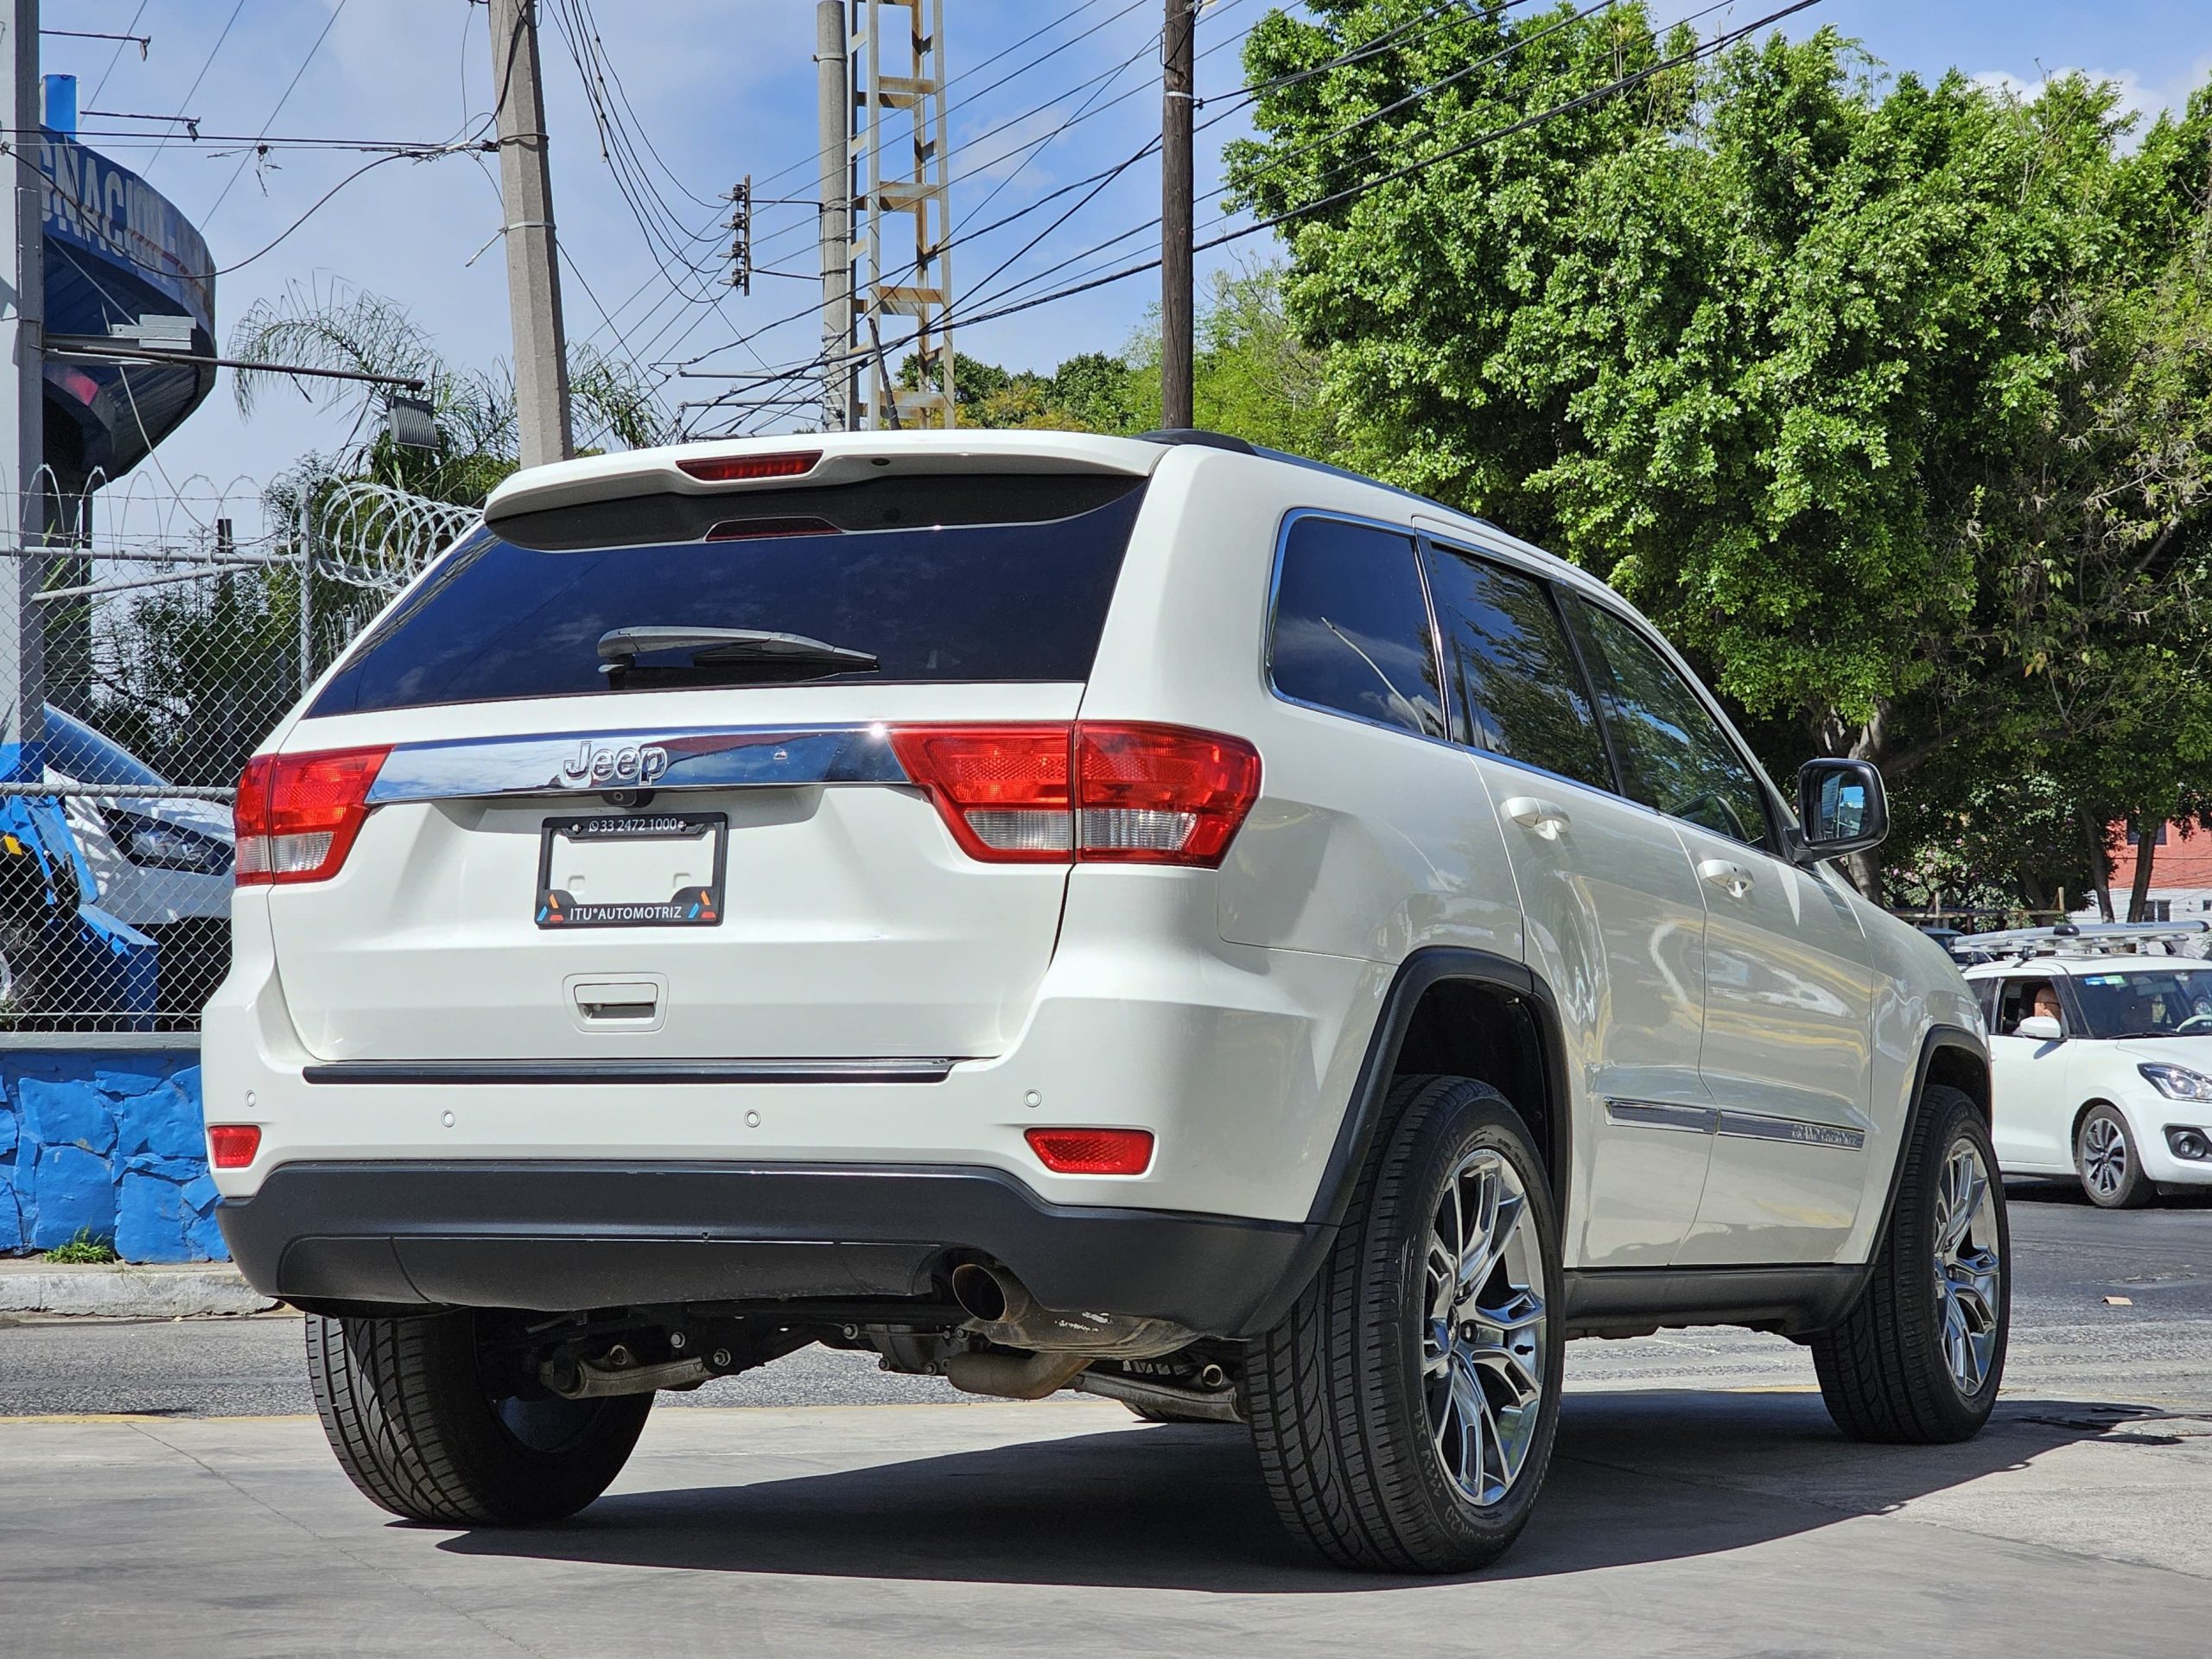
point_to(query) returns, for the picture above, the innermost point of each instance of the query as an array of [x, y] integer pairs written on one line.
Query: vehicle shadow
[[2065, 1193], [1638, 1477]]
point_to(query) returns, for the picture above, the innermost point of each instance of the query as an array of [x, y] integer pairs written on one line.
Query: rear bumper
[[564, 1236]]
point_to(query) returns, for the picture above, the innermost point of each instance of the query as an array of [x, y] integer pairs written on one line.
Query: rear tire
[[415, 1426], [2110, 1167], [1405, 1408], [1918, 1360]]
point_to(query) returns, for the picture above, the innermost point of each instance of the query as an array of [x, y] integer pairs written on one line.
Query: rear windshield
[[977, 577]]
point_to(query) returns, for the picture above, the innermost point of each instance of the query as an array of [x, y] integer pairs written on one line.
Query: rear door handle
[[1545, 817], [1732, 879]]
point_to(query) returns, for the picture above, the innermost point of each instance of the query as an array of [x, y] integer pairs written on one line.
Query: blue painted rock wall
[[109, 1144]]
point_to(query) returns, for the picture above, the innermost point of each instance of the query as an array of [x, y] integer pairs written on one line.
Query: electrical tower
[[896, 114]]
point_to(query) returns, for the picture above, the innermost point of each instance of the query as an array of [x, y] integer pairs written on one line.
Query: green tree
[[1880, 396]]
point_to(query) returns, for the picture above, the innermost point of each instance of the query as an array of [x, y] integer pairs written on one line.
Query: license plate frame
[[694, 905]]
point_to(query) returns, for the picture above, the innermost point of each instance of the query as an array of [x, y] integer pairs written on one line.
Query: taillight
[[232, 1146], [731, 469], [297, 814], [1003, 789], [1160, 795], [1092, 1152], [1095, 790]]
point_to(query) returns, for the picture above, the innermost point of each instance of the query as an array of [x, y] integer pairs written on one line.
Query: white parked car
[[146, 855], [2101, 1056], [1148, 915], [156, 857]]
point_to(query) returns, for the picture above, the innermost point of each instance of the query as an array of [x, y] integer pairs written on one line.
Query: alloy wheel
[[1484, 1327], [1967, 1264], [2104, 1156]]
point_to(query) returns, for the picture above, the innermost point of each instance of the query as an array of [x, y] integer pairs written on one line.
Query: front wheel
[[2112, 1172], [1404, 1410], [418, 1427], [1918, 1359]]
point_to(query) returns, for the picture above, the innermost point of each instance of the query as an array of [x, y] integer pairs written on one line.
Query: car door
[[2032, 1098], [1787, 1047], [1612, 920]]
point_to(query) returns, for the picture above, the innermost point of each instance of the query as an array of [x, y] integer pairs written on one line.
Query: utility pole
[[833, 128], [23, 446], [1175, 300], [888, 286], [533, 268]]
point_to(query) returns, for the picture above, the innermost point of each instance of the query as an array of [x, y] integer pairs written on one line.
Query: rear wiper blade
[[619, 648]]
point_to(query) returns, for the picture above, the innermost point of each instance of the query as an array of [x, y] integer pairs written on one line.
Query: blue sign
[[115, 216]]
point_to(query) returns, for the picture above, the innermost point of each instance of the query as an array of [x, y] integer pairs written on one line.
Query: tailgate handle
[[618, 1000]]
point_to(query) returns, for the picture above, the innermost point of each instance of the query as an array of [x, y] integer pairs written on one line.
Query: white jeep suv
[[1148, 916]]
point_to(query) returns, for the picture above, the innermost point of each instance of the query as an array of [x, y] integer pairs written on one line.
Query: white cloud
[[2136, 95]]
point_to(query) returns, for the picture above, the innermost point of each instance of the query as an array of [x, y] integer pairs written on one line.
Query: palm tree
[[334, 326]]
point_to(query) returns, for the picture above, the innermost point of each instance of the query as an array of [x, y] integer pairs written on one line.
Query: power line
[[328, 24], [1625, 83], [968, 236], [117, 56], [763, 245], [271, 247], [185, 103], [748, 338]]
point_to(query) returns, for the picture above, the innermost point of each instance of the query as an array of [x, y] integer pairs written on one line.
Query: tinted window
[[1351, 626], [1672, 752], [1517, 687], [76, 751], [980, 582], [2017, 1000], [2171, 1002]]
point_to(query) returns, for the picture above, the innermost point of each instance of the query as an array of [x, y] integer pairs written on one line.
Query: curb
[[130, 1293]]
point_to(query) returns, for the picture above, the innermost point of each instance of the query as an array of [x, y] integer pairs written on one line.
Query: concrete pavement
[[121, 1291], [1674, 1522], [1701, 1504]]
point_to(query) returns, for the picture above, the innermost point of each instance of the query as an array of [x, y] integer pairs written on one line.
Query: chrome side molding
[[1657, 1115], [1743, 1126]]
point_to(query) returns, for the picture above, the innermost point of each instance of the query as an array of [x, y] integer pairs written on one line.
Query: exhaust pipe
[[1015, 1376], [999, 1307]]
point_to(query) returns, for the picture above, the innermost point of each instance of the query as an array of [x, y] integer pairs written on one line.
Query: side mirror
[[2040, 1028], [1841, 808]]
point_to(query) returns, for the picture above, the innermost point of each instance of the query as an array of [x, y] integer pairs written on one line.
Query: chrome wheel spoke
[[1968, 1271], [1484, 1331]]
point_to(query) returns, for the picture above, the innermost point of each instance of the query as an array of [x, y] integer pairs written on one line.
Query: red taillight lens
[[1093, 790], [232, 1146], [1092, 1152], [1003, 789], [731, 469], [297, 814], [1160, 795]]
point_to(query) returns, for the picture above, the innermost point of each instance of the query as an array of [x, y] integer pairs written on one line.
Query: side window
[[2022, 997], [1351, 626], [1672, 753], [1517, 689]]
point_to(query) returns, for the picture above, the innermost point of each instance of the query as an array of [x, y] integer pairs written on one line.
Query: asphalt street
[[165, 1478], [2069, 1257]]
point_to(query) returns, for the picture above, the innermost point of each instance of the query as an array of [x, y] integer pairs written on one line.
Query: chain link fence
[[171, 647]]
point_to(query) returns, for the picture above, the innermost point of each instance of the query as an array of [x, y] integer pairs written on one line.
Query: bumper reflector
[[232, 1146], [1092, 1152]]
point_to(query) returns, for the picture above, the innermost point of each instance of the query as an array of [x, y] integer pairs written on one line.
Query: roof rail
[[2078, 938], [1198, 435]]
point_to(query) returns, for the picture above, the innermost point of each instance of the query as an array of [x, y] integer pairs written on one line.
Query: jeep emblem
[[612, 766]]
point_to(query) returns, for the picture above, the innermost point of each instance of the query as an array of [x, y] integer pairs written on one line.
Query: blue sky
[[724, 87]]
